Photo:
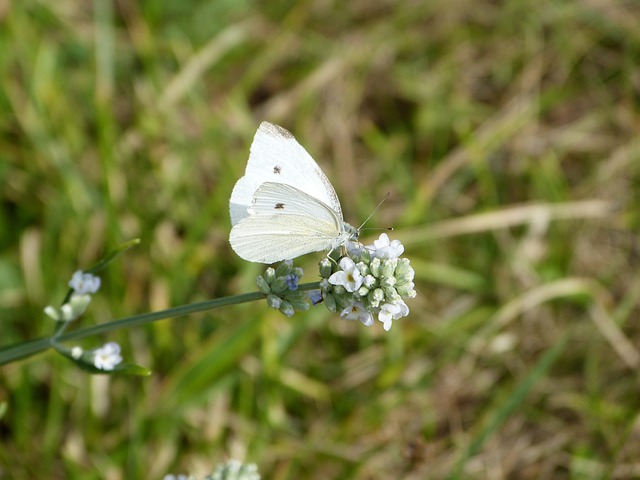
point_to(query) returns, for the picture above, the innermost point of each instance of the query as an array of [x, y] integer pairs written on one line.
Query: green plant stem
[[17, 351]]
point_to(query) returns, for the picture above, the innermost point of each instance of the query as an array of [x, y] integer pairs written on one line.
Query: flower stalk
[[29, 348]]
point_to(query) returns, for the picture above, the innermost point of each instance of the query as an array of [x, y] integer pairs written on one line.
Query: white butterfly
[[284, 206]]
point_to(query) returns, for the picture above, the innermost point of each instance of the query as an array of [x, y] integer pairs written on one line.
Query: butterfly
[[284, 206]]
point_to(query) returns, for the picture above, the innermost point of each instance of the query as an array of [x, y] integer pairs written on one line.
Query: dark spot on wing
[[279, 206], [276, 169]]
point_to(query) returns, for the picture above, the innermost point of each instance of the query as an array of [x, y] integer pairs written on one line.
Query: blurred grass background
[[508, 133]]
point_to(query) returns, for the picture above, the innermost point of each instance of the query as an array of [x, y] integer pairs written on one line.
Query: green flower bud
[[279, 285], [326, 267], [389, 267], [284, 268], [391, 295], [299, 303], [263, 286], [404, 270], [362, 268], [406, 290], [286, 308], [388, 281], [370, 282], [375, 297], [376, 267], [274, 301], [269, 275], [338, 290], [329, 301]]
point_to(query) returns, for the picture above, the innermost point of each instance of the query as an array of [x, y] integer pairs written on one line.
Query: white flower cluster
[[235, 470], [83, 285], [371, 281], [231, 470], [280, 286]]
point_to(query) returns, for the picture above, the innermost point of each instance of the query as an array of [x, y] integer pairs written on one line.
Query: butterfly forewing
[[277, 157]]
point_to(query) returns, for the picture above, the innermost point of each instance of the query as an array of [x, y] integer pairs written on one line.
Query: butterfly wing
[[277, 157], [284, 223]]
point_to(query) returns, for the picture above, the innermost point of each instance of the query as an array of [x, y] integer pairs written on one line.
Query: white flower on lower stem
[[107, 356], [385, 248], [349, 277], [82, 283], [76, 352], [357, 312], [392, 311]]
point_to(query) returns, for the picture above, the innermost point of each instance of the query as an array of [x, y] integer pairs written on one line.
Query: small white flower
[[349, 277], [357, 312], [84, 283], [107, 356], [392, 311], [384, 248], [76, 352]]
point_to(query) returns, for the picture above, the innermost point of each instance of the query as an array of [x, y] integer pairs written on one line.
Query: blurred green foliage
[[507, 134]]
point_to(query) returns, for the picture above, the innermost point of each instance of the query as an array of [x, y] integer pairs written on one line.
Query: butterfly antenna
[[374, 211]]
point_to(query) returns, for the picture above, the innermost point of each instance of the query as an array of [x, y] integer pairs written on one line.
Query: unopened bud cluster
[[280, 286], [230, 470]]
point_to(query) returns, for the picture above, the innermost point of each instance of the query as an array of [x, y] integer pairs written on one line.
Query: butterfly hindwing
[[269, 239]]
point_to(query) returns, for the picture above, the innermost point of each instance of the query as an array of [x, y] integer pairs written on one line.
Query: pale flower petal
[[349, 277], [107, 356], [385, 248], [357, 312], [83, 283], [392, 311]]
